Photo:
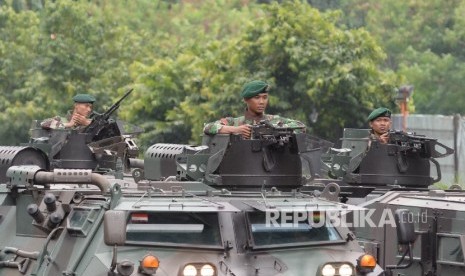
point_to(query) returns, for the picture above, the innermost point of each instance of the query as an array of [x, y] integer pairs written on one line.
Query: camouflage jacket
[[214, 127], [372, 136], [59, 122]]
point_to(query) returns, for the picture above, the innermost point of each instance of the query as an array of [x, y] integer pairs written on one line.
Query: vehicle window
[[266, 234], [450, 249], [197, 229]]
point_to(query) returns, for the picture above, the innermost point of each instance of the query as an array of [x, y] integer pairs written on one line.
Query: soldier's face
[[83, 108], [381, 125], [258, 103]]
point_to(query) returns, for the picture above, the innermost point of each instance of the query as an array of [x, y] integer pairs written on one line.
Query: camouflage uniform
[[373, 136], [56, 122], [214, 127]]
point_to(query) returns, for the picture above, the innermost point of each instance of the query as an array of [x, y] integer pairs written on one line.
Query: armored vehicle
[[437, 246], [399, 174], [227, 207]]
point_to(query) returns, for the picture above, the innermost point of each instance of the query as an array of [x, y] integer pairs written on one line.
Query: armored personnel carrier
[[227, 207], [399, 175]]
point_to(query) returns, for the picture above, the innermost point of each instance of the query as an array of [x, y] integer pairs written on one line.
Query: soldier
[[380, 124], [78, 118], [255, 95]]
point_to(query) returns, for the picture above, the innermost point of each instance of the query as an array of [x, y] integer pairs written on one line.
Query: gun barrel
[[125, 95], [115, 106], [100, 120]]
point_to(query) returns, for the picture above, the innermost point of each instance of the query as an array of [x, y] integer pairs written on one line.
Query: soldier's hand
[[384, 138], [244, 130], [69, 124], [80, 120]]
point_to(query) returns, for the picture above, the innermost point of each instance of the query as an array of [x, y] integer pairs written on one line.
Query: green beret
[[83, 98], [253, 88], [379, 112]]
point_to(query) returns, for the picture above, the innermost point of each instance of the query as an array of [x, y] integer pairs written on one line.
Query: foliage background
[[188, 60]]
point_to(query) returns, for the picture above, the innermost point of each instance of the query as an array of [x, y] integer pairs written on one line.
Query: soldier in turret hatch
[[78, 118], [380, 124], [255, 96]]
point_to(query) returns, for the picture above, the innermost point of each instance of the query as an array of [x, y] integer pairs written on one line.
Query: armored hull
[[111, 229], [438, 218], [208, 219]]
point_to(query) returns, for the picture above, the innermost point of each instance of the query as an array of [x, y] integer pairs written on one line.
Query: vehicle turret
[[404, 161], [104, 145], [71, 149], [273, 157]]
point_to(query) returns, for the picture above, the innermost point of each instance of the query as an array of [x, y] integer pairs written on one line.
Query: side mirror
[[405, 237], [114, 227], [405, 226]]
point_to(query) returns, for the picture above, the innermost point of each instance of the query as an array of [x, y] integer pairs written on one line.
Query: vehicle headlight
[[189, 270], [207, 270], [198, 269], [336, 269], [345, 270], [328, 270]]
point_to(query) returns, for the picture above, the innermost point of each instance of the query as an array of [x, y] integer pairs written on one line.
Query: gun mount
[[418, 144], [404, 161], [273, 157]]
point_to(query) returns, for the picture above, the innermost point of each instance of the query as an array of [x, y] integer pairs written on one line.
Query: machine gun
[[410, 142], [267, 138], [101, 120], [270, 134]]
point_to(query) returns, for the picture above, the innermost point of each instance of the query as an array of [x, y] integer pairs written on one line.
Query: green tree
[[18, 42], [424, 42], [182, 68], [312, 64], [48, 56], [187, 64]]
